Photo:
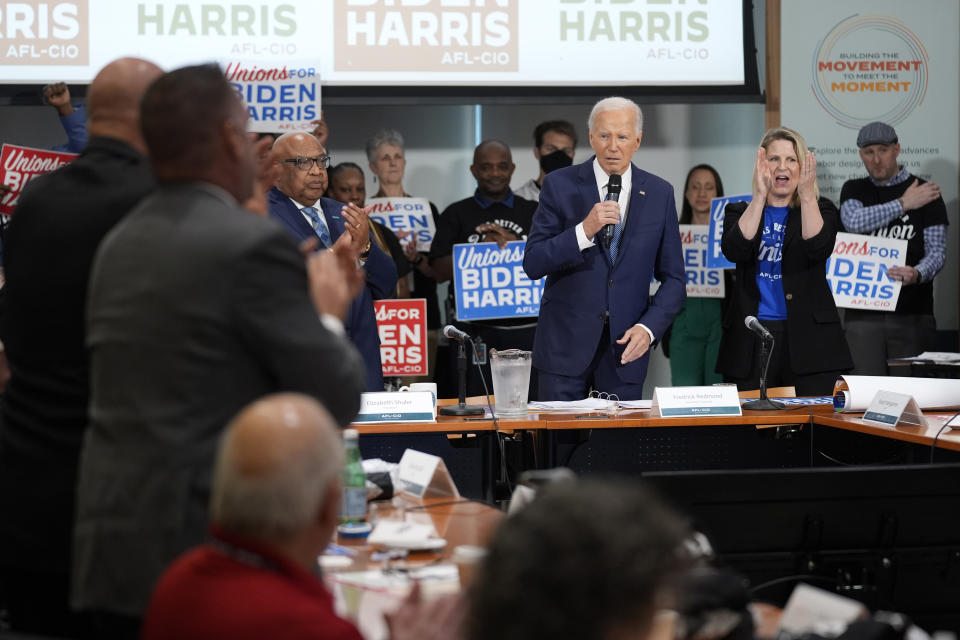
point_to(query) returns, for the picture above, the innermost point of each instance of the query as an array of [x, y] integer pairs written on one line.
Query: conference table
[[633, 440], [369, 582]]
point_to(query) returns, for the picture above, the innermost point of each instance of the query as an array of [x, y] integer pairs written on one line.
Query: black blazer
[[814, 333]]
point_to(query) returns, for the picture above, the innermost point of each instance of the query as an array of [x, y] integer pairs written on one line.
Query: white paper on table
[[402, 534], [930, 393], [588, 404], [810, 609], [364, 596], [940, 357]]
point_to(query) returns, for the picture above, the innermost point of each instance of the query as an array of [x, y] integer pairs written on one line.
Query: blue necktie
[[615, 243], [319, 225]]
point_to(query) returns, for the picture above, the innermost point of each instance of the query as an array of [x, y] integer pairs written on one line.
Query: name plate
[[424, 475], [685, 402], [396, 406], [890, 408]]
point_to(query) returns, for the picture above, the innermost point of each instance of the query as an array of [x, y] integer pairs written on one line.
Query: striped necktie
[[615, 243], [319, 225]]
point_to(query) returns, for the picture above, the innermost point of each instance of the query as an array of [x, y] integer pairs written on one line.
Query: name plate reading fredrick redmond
[[396, 406], [681, 402]]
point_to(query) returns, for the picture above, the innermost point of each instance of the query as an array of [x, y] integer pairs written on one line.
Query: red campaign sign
[[402, 325], [20, 165]]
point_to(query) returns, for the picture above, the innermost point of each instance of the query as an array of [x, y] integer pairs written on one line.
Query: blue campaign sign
[[715, 258], [489, 282]]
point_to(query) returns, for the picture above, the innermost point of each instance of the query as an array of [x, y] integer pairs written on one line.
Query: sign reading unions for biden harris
[[406, 214], [857, 271], [279, 97], [20, 165], [702, 281], [715, 258], [489, 282]]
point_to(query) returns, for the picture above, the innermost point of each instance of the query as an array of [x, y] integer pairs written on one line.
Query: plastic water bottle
[[353, 505]]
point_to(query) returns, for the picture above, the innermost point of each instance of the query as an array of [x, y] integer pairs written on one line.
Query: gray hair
[[383, 136], [615, 103], [282, 500]]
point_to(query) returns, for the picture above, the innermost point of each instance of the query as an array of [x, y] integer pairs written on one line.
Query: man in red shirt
[[275, 503]]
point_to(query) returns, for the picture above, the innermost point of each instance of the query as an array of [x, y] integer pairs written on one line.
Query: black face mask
[[556, 160]]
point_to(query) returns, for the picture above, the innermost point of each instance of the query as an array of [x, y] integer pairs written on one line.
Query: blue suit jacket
[[361, 322], [583, 285]]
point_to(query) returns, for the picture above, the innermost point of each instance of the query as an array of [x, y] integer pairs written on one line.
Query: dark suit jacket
[[582, 285], [51, 241], [814, 333], [361, 321], [196, 308]]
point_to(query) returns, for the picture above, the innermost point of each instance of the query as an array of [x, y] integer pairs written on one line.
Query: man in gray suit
[[196, 307]]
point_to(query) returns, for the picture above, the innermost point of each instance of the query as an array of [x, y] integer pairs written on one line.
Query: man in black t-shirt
[[893, 203], [492, 214]]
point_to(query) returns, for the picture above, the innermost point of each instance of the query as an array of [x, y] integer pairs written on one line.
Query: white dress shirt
[[624, 200]]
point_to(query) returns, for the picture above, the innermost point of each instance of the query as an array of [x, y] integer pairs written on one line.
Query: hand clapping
[[808, 177]]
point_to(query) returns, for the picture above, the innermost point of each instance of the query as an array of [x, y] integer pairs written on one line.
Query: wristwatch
[[365, 252]]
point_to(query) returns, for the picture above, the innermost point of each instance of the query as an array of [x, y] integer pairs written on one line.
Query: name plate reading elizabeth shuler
[[396, 406], [684, 402]]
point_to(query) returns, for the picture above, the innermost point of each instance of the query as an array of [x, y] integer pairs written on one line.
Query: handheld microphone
[[613, 193], [754, 325], [453, 333]]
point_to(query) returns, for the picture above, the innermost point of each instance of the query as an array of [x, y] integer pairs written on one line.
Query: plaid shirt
[[860, 219]]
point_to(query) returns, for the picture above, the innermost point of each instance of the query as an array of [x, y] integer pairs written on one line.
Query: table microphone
[[461, 408], [453, 333], [613, 193], [754, 325]]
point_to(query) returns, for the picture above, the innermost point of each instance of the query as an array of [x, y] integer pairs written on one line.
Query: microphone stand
[[764, 403], [461, 408]]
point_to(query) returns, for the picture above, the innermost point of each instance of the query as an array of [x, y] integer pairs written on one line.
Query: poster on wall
[[846, 64]]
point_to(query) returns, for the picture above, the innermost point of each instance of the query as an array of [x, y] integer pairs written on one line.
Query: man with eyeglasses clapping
[[297, 202]]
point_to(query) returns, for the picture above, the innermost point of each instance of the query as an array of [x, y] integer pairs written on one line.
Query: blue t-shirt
[[773, 306]]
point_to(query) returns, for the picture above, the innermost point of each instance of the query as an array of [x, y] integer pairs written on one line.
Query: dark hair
[[336, 170], [560, 126], [686, 211], [181, 114], [584, 558]]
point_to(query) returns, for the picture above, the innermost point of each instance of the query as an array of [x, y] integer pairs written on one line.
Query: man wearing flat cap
[[893, 203]]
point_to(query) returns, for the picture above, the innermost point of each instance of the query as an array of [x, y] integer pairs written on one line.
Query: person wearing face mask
[[780, 242], [554, 142], [692, 342], [348, 185]]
